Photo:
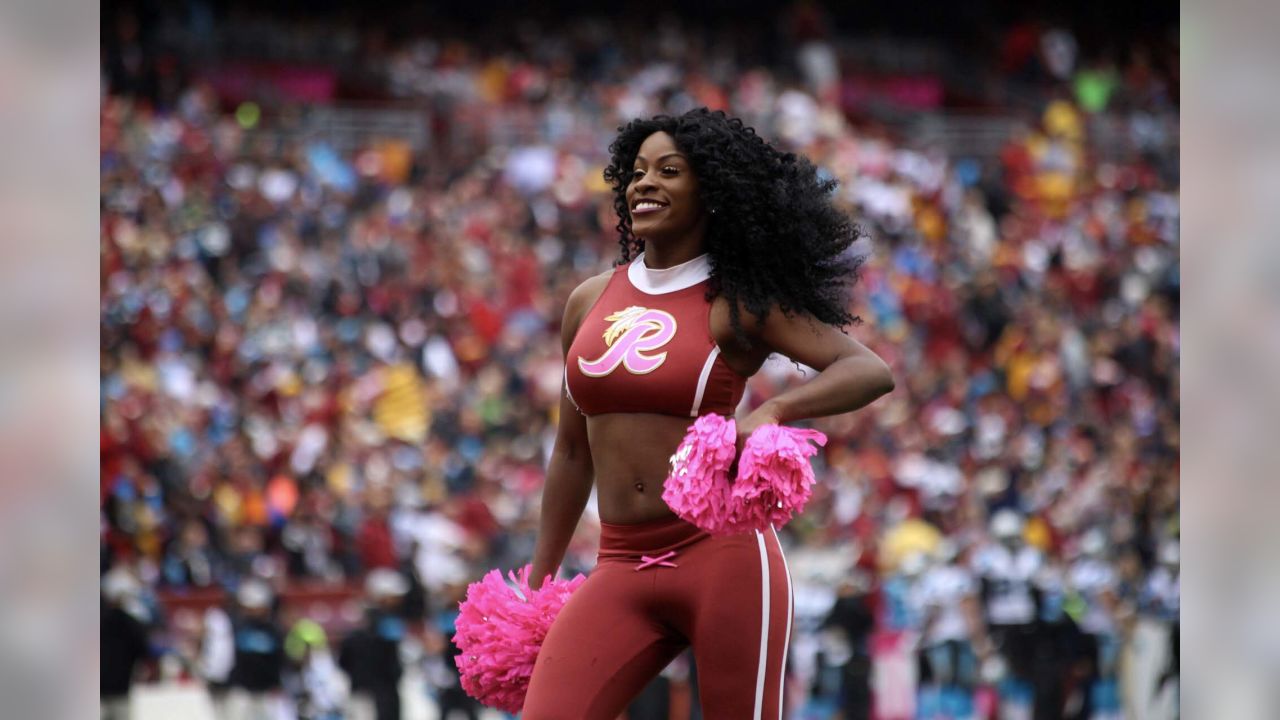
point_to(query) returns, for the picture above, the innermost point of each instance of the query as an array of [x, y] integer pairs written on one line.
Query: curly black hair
[[775, 240]]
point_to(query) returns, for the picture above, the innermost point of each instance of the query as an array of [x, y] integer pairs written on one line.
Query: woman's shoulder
[[580, 301], [751, 323]]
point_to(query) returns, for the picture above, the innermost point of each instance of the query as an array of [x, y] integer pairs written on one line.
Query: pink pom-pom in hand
[[697, 488], [774, 482], [500, 629], [775, 478]]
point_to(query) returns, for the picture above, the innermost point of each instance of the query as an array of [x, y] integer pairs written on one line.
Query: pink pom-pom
[[697, 488], [775, 478], [500, 629], [774, 482]]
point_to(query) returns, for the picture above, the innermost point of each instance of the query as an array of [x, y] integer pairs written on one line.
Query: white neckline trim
[[667, 280]]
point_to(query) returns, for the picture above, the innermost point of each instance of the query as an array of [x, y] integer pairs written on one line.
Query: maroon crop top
[[645, 346]]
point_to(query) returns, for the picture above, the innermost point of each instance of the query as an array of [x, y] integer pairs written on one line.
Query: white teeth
[[647, 205]]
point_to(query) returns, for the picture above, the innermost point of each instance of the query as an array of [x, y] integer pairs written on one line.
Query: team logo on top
[[634, 332]]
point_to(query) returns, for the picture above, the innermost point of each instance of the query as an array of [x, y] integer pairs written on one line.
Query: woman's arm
[[570, 472], [850, 376], [564, 495]]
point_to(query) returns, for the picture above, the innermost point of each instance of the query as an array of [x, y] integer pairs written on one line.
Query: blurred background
[[335, 247]]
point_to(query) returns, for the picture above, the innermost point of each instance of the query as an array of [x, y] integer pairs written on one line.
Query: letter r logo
[[634, 332]]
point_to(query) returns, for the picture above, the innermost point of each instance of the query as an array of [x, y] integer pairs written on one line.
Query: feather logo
[[633, 332]]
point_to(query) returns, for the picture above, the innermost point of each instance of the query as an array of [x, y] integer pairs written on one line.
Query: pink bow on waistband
[[661, 561]]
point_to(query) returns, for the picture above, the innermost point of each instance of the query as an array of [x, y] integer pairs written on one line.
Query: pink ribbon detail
[[660, 561]]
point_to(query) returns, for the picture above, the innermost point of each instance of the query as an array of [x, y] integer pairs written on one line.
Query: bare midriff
[[631, 453]]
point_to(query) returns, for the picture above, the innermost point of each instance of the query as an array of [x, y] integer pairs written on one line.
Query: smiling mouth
[[647, 206]]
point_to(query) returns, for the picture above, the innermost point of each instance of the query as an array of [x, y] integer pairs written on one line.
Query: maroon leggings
[[659, 587]]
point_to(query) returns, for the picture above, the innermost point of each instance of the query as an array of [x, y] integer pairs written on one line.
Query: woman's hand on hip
[[766, 414]]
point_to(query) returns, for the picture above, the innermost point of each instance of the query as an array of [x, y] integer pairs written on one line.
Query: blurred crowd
[[335, 367]]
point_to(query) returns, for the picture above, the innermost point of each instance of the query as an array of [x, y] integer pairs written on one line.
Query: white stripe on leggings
[[786, 639], [764, 624]]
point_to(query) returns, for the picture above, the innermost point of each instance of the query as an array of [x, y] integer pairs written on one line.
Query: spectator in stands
[[189, 560]]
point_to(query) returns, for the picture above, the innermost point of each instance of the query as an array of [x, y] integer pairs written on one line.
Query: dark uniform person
[[124, 644], [370, 654], [442, 665], [853, 617], [259, 655]]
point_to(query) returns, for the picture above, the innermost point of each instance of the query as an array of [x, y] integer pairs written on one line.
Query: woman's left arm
[[850, 375]]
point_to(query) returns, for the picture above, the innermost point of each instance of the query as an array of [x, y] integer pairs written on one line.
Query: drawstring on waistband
[[660, 561]]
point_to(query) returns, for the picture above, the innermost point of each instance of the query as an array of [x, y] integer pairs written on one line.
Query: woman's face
[[663, 194]]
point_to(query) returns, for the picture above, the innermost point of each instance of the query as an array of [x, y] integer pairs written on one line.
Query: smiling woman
[[730, 251]]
